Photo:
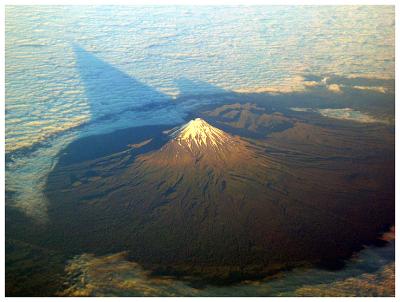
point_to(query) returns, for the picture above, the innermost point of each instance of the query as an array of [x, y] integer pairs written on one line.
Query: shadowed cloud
[[111, 91], [370, 273]]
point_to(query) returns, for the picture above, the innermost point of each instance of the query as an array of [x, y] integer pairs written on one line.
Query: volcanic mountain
[[198, 147], [198, 138], [211, 204]]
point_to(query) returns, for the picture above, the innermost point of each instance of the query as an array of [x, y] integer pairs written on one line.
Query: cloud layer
[[248, 47]]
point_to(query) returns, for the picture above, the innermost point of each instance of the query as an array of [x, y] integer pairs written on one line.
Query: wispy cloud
[[342, 114], [380, 89], [348, 114]]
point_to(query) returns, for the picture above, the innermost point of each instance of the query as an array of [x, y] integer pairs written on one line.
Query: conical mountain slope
[[206, 203], [198, 167], [196, 143]]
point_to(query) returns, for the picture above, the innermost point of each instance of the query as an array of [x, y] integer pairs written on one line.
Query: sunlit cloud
[[348, 114], [334, 88], [379, 284], [372, 88], [342, 114], [254, 55]]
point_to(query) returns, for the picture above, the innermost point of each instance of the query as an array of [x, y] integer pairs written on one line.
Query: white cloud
[[348, 114], [334, 88], [380, 89], [342, 114]]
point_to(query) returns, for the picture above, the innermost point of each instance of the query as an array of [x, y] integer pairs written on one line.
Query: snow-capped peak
[[199, 133]]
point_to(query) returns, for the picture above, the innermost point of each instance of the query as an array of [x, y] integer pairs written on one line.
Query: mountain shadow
[[111, 91]]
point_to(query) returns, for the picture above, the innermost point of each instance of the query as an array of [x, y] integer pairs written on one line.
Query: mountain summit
[[198, 139], [198, 133]]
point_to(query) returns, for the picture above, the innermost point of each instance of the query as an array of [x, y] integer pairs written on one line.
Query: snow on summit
[[199, 133]]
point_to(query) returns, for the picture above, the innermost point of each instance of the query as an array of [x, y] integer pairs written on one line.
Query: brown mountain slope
[[213, 204]]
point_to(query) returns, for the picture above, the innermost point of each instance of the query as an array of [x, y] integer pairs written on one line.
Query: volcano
[[198, 134], [198, 146], [210, 204]]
